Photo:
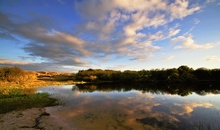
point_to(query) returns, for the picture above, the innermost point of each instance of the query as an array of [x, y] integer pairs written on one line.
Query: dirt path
[[31, 119]]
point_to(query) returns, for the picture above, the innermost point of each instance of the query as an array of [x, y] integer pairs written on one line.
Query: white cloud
[[164, 34], [189, 43], [138, 12], [130, 18], [110, 27], [180, 9], [142, 57], [43, 66], [157, 36], [197, 21], [168, 58], [13, 62], [212, 58], [141, 21], [173, 32]]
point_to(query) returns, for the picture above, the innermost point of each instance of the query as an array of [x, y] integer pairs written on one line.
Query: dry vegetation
[[14, 82], [54, 76], [14, 77]]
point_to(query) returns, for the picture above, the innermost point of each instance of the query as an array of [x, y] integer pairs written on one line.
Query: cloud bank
[[110, 29]]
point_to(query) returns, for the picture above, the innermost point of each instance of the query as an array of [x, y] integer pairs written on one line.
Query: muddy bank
[[31, 119]]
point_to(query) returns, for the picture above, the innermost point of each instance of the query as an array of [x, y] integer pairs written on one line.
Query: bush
[[16, 75]]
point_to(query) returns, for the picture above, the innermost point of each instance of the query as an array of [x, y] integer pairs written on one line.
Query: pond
[[137, 107]]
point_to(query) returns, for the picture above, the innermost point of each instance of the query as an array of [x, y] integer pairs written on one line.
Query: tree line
[[180, 74]]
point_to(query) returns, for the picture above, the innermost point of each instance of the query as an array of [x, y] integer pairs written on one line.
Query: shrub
[[16, 75]]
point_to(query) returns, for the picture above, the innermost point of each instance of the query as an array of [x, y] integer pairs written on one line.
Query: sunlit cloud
[[43, 66], [180, 9], [13, 62], [168, 58], [173, 32], [212, 58], [130, 18], [94, 31], [58, 48], [187, 42]]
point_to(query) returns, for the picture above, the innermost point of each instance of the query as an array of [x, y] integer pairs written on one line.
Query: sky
[[72, 35]]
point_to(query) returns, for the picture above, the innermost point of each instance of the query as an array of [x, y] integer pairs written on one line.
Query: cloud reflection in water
[[133, 109]]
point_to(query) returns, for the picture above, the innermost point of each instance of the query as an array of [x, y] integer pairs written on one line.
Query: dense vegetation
[[16, 75], [181, 74]]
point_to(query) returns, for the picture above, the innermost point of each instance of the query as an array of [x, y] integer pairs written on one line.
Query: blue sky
[[67, 36]]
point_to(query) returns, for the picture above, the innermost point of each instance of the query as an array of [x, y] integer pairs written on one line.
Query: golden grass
[[32, 84], [35, 84]]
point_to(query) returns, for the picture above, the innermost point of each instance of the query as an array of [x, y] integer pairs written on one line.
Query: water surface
[[131, 107]]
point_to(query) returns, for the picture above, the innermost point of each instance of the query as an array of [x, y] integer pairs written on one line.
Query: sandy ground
[[31, 119]]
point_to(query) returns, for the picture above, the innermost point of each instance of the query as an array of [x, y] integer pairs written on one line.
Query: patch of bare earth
[[30, 119]]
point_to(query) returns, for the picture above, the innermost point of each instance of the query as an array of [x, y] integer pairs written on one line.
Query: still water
[[121, 107]]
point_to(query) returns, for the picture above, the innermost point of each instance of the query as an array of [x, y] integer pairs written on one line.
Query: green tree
[[172, 74], [186, 73], [202, 74]]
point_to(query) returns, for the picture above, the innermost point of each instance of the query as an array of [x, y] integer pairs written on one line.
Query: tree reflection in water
[[158, 88]]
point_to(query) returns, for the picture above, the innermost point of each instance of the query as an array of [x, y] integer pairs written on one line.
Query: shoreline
[[31, 119]]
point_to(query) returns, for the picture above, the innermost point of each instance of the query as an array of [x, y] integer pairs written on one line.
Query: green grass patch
[[16, 100]]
